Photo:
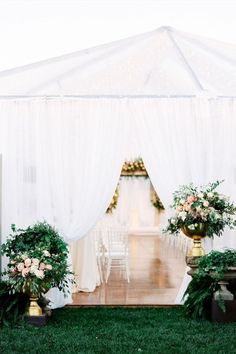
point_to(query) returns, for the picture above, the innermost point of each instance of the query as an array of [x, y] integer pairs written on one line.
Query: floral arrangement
[[37, 259], [156, 202], [205, 205], [132, 166], [114, 202]]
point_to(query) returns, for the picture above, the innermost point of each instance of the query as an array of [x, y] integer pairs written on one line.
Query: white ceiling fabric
[[162, 62]]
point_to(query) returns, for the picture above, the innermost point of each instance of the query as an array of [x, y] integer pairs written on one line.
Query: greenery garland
[[114, 202], [132, 166], [156, 202], [135, 168]]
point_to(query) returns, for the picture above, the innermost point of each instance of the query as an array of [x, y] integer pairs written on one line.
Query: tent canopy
[[163, 62]]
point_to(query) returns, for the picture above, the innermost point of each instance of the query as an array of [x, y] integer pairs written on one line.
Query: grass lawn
[[120, 330]]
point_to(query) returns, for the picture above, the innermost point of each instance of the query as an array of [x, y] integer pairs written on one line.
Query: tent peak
[[166, 28]]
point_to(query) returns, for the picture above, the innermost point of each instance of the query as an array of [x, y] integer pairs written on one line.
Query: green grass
[[120, 330]]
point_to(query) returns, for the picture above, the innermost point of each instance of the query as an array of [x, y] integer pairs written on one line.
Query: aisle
[[156, 274]]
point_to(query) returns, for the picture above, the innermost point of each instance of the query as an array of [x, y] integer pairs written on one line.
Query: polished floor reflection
[[156, 272]]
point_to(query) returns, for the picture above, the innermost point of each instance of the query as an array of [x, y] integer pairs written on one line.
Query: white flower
[[46, 253], [172, 221], [191, 227], [39, 274], [48, 267], [182, 201], [206, 204], [200, 195], [20, 266], [33, 269], [210, 195], [35, 262], [24, 256]]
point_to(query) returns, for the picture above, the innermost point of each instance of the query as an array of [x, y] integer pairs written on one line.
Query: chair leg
[[108, 269]]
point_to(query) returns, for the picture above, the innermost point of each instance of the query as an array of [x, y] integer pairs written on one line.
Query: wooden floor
[[156, 272]]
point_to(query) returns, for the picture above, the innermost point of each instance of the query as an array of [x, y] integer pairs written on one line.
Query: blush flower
[[27, 262], [46, 253], [25, 272], [39, 274], [42, 266], [20, 267]]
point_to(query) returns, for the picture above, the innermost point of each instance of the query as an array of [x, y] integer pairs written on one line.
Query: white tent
[[161, 62], [66, 124]]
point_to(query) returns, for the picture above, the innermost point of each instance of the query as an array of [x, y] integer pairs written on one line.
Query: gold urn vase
[[34, 309], [196, 235]]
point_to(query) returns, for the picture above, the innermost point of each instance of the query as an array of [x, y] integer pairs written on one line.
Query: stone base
[[38, 321], [217, 315], [192, 262]]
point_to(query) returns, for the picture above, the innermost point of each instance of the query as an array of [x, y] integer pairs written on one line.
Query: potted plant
[[213, 269], [200, 212], [37, 261]]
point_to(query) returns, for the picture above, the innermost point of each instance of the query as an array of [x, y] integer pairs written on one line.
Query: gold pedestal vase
[[34, 309], [196, 235]]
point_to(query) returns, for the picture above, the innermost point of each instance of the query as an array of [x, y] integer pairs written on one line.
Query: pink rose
[[24, 272], [187, 207], [48, 267], [42, 266], [191, 199], [20, 267], [179, 208], [27, 262]]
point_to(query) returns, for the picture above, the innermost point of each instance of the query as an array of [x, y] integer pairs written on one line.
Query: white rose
[[200, 195], [206, 204], [39, 274], [210, 195], [33, 269], [35, 262], [48, 267]]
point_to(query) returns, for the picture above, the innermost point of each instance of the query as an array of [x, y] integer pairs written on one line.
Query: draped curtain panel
[[61, 162], [134, 209], [62, 157]]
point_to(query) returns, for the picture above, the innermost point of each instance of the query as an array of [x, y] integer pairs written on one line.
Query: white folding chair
[[117, 255], [99, 251]]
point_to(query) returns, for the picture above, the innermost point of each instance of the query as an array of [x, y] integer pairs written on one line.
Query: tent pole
[[188, 67]]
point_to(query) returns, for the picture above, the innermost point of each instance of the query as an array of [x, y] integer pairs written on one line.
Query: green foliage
[[195, 205], [211, 269], [37, 259], [12, 305]]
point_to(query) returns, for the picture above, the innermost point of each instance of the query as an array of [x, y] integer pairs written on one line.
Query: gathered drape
[[62, 157], [61, 162]]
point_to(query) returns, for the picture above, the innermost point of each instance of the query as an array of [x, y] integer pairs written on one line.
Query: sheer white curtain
[[61, 161], [134, 207], [188, 140]]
